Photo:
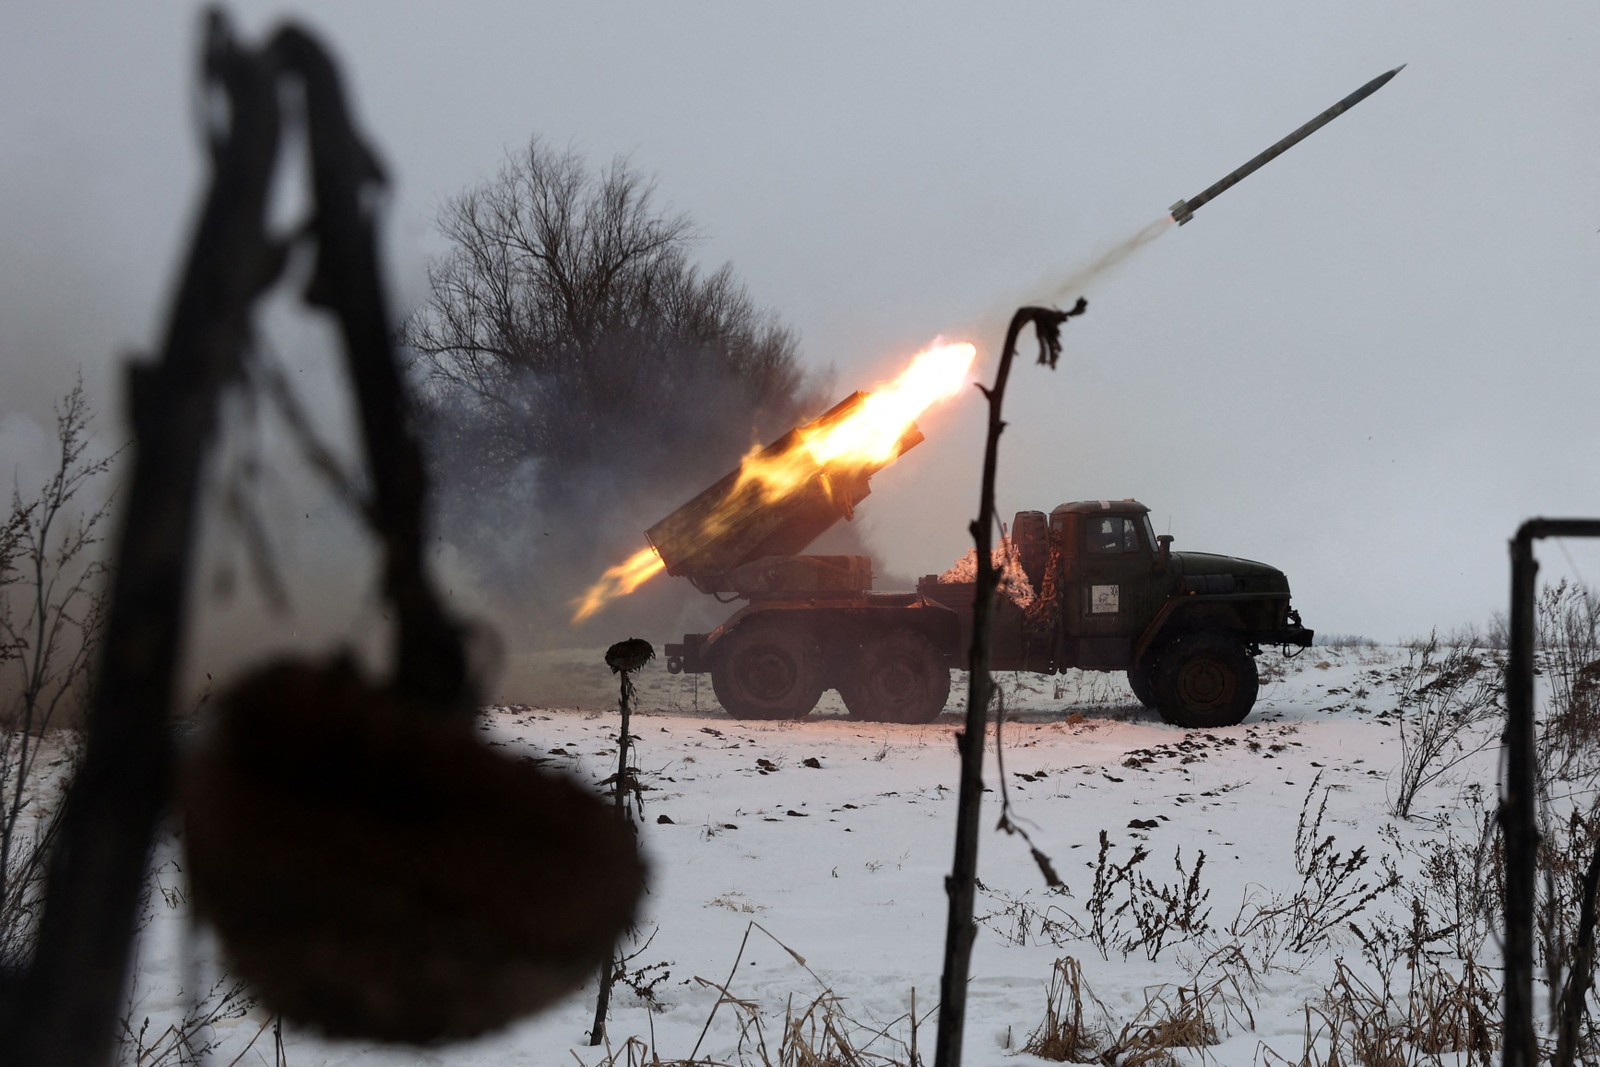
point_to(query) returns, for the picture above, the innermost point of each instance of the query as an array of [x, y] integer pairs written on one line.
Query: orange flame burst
[[870, 437], [867, 439], [620, 580]]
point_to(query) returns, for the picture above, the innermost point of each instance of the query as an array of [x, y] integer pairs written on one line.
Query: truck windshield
[[1112, 535]]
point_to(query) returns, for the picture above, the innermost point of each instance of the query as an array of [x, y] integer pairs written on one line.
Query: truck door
[[1108, 566]]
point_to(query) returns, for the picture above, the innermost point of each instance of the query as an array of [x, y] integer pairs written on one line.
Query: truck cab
[[1108, 594], [1111, 577]]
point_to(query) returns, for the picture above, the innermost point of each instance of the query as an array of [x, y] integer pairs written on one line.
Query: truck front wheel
[[767, 669], [898, 677], [1205, 679]]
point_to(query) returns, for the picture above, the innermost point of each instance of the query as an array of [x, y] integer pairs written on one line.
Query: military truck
[[1109, 595]]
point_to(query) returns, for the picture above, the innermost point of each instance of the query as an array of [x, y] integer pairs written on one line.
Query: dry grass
[[818, 1034], [1064, 1035], [1194, 1017], [1439, 1014], [1451, 1014], [735, 901], [1172, 1017], [821, 1036]]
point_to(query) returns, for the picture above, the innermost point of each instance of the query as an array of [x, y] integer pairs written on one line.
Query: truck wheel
[[1205, 679], [767, 670], [1139, 681], [899, 677]]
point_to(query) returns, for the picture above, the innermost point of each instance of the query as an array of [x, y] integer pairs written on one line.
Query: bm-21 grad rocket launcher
[[1112, 596]]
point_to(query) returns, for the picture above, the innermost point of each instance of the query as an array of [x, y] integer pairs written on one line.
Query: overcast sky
[[1366, 364]]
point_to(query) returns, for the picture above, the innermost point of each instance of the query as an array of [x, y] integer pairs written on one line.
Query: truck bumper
[[1290, 634], [684, 657], [1298, 636]]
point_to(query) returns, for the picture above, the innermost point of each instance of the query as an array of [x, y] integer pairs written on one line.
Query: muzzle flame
[[620, 580], [869, 438]]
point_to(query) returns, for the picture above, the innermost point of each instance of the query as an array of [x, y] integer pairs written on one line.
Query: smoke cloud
[[1076, 283], [518, 552]]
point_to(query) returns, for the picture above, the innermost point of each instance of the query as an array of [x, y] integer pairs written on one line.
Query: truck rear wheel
[[899, 677], [1139, 681], [767, 669], [1205, 679]]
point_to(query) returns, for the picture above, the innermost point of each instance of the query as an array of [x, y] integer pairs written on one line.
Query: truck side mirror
[[1164, 553]]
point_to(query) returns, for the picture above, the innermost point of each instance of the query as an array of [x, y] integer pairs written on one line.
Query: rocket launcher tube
[[741, 518]]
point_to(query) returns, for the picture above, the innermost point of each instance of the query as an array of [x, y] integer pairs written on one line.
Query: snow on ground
[[836, 836]]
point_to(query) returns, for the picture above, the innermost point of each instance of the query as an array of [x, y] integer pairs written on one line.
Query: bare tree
[[567, 325], [51, 604]]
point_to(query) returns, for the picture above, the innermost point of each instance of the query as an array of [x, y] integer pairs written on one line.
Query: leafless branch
[[960, 886]]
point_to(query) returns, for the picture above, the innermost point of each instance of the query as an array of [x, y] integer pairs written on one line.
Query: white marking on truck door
[[1104, 599]]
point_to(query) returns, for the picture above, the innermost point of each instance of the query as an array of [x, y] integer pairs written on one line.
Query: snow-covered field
[[798, 861]]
